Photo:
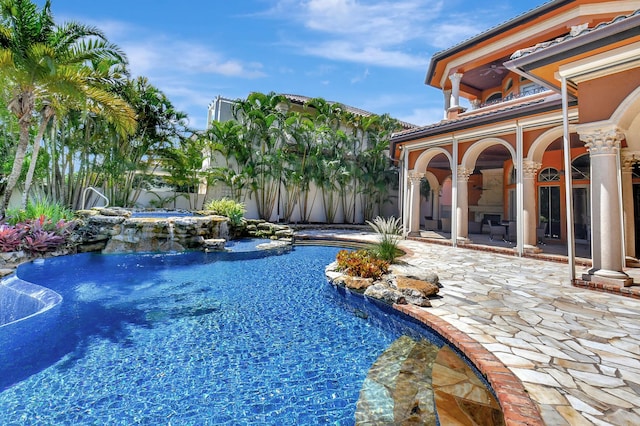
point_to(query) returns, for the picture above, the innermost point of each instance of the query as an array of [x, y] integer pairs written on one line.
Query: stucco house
[[540, 131]]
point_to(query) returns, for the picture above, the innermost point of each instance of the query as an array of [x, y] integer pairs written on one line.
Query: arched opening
[[488, 189], [435, 191]]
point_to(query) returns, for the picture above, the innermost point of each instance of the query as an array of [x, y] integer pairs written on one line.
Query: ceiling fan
[[498, 69]]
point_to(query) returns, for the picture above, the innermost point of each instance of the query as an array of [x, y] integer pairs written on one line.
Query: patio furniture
[[430, 224], [512, 231], [496, 230], [541, 233], [475, 227]]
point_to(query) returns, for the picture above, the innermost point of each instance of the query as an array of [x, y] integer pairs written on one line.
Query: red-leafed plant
[[42, 241], [39, 238], [35, 236], [361, 263], [10, 238]]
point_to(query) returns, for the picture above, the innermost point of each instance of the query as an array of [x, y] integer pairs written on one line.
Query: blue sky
[[369, 54]]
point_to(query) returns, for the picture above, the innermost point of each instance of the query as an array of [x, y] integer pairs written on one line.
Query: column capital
[[456, 77], [464, 173], [628, 159], [415, 177], [603, 140], [530, 168]]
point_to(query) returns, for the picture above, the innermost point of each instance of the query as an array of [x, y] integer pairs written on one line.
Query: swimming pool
[[160, 214], [194, 338]]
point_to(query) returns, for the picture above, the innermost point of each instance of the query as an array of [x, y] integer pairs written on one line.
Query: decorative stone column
[[606, 222], [447, 101], [455, 89], [529, 213], [462, 211], [414, 200], [627, 161], [455, 108], [435, 193]]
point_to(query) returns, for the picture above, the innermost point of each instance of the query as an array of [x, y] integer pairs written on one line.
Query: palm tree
[[39, 61], [132, 160], [330, 153], [223, 143], [297, 156], [262, 117], [378, 173]]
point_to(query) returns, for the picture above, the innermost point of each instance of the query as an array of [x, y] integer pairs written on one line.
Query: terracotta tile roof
[[482, 114], [575, 33], [299, 99]]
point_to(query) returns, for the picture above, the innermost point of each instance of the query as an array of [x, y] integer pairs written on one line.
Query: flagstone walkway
[[575, 351]]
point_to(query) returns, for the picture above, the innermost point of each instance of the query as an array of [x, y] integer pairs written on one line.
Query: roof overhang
[[512, 24], [551, 104], [614, 47]]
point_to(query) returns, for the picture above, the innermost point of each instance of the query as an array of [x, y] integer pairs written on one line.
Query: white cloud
[[378, 22], [396, 34], [370, 55], [423, 116], [153, 57], [443, 35], [361, 77]]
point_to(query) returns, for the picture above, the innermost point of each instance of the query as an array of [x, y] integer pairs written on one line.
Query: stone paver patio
[[575, 351]]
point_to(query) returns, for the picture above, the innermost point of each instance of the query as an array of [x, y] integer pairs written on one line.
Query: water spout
[[171, 231]]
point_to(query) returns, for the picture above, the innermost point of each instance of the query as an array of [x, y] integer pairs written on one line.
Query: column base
[[604, 276], [531, 249], [632, 262], [463, 241], [414, 234]]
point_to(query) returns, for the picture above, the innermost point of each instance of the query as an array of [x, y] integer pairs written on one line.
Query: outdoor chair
[[475, 227], [512, 232], [541, 232], [497, 231]]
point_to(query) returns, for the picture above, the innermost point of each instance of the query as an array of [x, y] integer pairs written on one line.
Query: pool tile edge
[[518, 408]]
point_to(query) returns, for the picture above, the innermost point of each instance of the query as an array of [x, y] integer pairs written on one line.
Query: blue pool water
[[161, 214], [193, 339]]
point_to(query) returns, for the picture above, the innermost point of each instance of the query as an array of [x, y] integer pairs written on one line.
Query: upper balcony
[[474, 69]]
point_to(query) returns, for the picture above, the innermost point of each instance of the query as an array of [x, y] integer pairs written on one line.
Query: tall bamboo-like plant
[[364, 129], [40, 60], [330, 143], [378, 173], [262, 118], [295, 154], [228, 157], [184, 164], [8, 140]]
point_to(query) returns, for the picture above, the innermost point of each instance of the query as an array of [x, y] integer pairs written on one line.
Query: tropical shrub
[[361, 263], [37, 208], [229, 208], [389, 236], [10, 238], [34, 236]]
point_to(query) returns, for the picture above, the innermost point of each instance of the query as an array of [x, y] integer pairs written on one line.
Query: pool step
[[330, 243]]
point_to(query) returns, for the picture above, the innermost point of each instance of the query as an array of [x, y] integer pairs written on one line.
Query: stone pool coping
[[517, 406]]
